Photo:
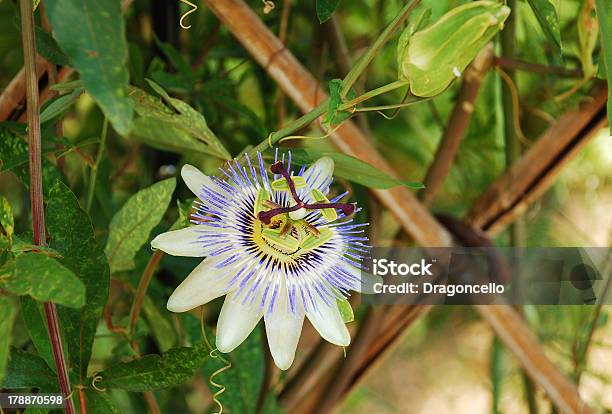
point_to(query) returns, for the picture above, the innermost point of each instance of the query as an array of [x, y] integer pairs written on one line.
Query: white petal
[[319, 174], [182, 242], [365, 281], [236, 322], [283, 329], [203, 284], [196, 179], [328, 322]]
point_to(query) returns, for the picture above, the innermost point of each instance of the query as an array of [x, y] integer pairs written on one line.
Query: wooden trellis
[[505, 200]]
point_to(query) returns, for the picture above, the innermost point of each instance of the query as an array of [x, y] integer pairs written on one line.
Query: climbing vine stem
[[36, 187]]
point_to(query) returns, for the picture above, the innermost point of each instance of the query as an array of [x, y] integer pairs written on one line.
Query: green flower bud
[[432, 58]]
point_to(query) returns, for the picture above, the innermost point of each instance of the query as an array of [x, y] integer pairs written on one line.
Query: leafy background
[[146, 97]]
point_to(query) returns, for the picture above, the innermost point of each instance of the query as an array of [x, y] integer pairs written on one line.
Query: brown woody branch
[[509, 196], [457, 125], [13, 96]]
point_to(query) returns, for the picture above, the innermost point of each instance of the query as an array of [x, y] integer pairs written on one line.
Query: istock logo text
[[384, 267]]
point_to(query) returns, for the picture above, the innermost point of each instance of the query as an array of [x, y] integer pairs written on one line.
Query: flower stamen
[[266, 216]]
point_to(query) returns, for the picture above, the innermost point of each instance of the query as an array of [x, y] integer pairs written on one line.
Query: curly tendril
[[187, 13], [214, 353]]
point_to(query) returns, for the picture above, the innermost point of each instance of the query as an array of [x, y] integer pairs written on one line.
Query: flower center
[[284, 230], [279, 168]]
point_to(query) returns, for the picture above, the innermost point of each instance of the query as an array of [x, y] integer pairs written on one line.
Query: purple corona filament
[[266, 216]]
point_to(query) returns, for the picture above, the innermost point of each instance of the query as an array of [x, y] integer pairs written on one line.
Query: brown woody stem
[[36, 190]]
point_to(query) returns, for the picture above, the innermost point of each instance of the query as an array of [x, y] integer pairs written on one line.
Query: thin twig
[[141, 290], [372, 51], [36, 190], [457, 125]]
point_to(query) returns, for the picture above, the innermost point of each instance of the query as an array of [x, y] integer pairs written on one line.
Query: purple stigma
[[266, 216]]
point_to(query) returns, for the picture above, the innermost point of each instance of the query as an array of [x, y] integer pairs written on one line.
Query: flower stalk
[[36, 187]]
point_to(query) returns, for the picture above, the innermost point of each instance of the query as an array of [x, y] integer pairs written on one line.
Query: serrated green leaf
[[130, 228], [26, 370], [326, 8], [98, 50], [548, 18], [72, 235], [351, 168], [33, 316], [44, 279], [604, 15], [6, 218], [153, 372], [435, 56], [7, 312], [175, 126], [346, 311]]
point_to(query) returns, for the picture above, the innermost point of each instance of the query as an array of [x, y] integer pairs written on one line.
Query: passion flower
[[276, 247]]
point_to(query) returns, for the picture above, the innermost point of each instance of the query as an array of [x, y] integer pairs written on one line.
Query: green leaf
[[14, 157], [72, 235], [33, 316], [153, 372], [48, 48], [352, 169], [184, 212], [435, 56], [99, 403], [604, 14], [7, 310], [43, 278], [25, 370], [174, 57], [346, 311], [59, 105], [548, 18], [6, 218], [325, 9], [174, 127], [335, 117], [130, 228], [161, 327], [92, 34]]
